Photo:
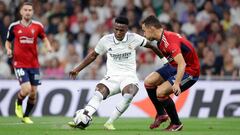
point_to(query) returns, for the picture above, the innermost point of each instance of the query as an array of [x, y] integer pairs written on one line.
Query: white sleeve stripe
[[36, 22], [13, 24]]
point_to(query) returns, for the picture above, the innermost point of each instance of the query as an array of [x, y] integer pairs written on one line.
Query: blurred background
[[75, 26]]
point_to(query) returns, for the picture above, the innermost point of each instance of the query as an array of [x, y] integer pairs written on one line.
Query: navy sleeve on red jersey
[[10, 34], [41, 34]]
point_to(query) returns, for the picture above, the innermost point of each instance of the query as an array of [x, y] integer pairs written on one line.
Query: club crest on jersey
[[33, 31], [20, 31], [130, 47]]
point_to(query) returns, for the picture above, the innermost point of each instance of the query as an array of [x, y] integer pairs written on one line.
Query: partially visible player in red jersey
[[24, 34], [180, 74]]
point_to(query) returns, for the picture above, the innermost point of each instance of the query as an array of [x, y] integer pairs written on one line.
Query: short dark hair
[[121, 20], [26, 3], [152, 21]]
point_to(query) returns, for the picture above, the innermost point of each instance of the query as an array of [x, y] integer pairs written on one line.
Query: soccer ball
[[82, 119]]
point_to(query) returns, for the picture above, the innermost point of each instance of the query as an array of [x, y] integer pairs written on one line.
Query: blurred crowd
[[75, 26]]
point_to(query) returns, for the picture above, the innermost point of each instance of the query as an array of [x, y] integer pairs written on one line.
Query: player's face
[[27, 12], [148, 32], [120, 31]]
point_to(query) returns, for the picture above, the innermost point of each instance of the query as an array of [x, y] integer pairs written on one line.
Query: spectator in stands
[[228, 69]]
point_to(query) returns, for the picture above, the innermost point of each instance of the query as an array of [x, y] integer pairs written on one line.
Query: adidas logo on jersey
[[110, 49]]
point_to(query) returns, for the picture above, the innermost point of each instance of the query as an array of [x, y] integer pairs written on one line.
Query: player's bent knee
[[162, 97], [103, 90], [149, 84], [131, 89]]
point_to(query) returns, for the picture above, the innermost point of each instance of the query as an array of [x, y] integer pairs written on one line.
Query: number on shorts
[[20, 72]]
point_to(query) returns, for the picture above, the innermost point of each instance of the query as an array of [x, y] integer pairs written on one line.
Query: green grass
[[125, 126]]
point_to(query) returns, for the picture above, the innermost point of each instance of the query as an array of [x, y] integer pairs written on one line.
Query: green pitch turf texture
[[125, 126]]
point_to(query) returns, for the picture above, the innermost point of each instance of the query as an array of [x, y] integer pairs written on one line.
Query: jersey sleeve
[[42, 33], [100, 49], [139, 40], [10, 34]]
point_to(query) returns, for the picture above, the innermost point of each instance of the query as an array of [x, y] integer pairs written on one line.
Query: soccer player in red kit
[[178, 75], [24, 34]]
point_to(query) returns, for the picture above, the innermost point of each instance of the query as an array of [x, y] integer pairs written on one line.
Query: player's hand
[[9, 53], [176, 89], [73, 74]]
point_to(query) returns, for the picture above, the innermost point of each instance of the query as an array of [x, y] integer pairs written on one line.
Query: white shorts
[[116, 84]]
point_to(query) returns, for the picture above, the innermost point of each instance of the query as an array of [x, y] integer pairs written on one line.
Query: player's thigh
[[153, 79], [186, 82], [129, 85], [112, 84], [26, 88], [34, 76], [103, 89]]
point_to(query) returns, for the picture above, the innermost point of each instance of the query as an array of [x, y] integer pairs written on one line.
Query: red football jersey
[[25, 43], [173, 44]]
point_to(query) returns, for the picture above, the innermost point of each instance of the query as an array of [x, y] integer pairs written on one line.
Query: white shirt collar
[[123, 41]]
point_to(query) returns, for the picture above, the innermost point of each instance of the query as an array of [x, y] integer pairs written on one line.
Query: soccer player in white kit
[[121, 74]]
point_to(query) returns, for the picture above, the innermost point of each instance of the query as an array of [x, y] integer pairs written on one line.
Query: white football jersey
[[121, 55]]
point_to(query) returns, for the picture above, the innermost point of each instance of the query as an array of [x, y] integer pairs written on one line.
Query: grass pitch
[[125, 126]]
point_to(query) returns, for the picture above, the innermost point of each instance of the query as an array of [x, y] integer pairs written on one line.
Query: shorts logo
[[36, 77]]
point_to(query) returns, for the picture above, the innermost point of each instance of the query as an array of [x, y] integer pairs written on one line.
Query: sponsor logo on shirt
[[26, 40], [122, 56]]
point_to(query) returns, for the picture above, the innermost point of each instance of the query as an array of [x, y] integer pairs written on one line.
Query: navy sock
[[170, 108], [30, 105], [157, 104], [20, 98]]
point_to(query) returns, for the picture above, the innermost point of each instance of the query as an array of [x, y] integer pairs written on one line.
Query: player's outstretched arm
[[155, 49], [8, 46], [47, 44], [89, 59]]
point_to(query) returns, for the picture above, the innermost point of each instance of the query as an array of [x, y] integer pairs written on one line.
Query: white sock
[[120, 108], [94, 103]]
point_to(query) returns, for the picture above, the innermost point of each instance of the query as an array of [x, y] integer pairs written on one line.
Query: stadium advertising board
[[204, 99]]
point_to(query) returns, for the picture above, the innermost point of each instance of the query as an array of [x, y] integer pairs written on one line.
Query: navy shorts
[[169, 73], [31, 75]]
